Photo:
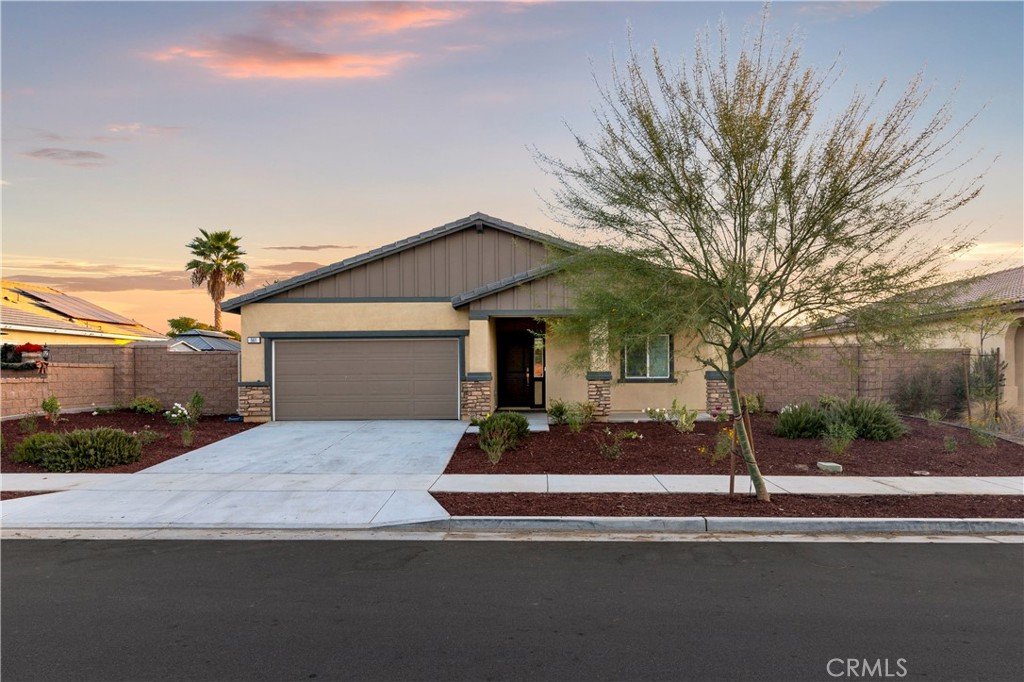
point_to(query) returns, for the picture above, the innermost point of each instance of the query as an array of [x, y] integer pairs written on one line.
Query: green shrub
[[609, 443], [502, 432], [684, 419], [983, 437], [28, 424], [838, 436], [51, 406], [800, 421], [949, 444], [35, 448], [195, 405], [755, 402], [147, 436], [725, 441], [557, 411], [827, 401], [872, 419], [579, 414], [918, 391], [146, 404], [933, 416], [92, 449]]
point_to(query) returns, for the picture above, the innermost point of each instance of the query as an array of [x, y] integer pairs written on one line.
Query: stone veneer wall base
[[476, 399]]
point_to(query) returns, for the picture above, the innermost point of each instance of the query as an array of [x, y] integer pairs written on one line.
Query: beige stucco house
[[442, 325]]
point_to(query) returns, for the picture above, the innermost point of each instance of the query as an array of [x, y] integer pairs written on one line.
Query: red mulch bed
[[208, 430], [620, 504], [15, 494], [663, 450]]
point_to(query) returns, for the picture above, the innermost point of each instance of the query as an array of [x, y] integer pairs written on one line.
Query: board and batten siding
[[545, 293], [445, 266]]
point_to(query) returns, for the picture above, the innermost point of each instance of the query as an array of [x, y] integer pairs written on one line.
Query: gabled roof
[[477, 219], [468, 297], [207, 339], [36, 308]]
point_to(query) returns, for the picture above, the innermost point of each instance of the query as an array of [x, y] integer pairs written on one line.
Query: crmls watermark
[[865, 668]]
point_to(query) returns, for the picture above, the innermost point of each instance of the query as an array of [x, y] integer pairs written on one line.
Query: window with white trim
[[647, 358]]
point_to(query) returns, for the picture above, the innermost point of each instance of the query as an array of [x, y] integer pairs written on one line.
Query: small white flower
[[95, 413]]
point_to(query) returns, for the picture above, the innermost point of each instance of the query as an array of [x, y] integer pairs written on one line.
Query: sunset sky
[[317, 131]]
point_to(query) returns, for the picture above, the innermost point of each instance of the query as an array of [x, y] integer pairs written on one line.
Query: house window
[[647, 358]]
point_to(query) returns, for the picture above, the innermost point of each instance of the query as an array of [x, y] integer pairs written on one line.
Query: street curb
[[735, 524]]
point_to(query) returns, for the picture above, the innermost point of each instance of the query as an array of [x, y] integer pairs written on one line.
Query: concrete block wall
[[75, 386], [843, 371], [97, 376], [173, 377]]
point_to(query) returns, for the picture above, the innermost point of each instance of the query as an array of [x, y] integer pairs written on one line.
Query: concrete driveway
[[279, 475]]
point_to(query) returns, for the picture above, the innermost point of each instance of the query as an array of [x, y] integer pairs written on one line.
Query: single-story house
[[31, 313], [442, 325], [983, 313]]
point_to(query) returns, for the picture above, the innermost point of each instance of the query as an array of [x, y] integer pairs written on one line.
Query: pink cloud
[[389, 17], [247, 56]]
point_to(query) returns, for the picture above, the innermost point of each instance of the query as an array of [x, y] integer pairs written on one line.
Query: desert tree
[[719, 200], [216, 263]]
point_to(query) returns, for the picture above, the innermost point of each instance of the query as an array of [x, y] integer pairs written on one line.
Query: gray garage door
[[366, 379]]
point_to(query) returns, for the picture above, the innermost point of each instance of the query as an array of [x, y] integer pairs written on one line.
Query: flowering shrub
[[724, 443], [657, 414], [28, 348], [179, 416]]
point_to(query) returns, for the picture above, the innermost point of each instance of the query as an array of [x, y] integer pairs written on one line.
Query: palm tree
[[216, 264]]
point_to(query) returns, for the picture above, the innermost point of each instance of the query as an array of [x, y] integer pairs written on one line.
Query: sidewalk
[[529, 483], [247, 501]]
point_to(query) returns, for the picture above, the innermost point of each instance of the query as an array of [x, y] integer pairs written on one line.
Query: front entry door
[[520, 379], [515, 355]]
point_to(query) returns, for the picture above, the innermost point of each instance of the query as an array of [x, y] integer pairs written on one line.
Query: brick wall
[[98, 376], [844, 371]]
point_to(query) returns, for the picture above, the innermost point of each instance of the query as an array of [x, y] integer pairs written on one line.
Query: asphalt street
[[382, 610]]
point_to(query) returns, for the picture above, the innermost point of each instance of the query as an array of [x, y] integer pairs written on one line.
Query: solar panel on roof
[[76, 308]]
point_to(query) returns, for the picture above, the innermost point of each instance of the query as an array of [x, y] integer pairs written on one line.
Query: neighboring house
[[442, 325], [30, 313], [985, 313], [202, 340]]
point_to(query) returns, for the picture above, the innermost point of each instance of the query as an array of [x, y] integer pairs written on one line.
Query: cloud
[[290, 269], [250, 56], [368, 18], [318, 247], [80, 276], [142, 129], [79, 158]]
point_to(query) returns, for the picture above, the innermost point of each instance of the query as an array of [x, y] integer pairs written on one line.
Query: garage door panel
[[366, 379]]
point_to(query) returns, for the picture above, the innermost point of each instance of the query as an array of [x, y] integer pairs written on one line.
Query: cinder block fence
[[84, 377]]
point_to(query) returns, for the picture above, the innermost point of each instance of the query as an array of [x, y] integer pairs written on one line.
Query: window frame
[[647, 378]]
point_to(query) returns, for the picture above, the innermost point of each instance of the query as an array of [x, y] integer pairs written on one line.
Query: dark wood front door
[[520, 365], [515, 385]]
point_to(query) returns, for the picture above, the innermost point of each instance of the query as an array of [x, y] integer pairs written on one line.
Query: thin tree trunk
[[745, 450]]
